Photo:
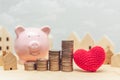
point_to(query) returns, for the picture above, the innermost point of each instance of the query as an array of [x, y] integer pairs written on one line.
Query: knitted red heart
[[89, 60]]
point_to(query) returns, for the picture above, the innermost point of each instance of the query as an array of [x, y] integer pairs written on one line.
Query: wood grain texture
[[87, 42], [9, 61], [105, 42], [109, 54], [1, 60], [6, 41], [115, 60]]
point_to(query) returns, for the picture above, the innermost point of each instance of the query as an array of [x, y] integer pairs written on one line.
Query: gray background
[[97, 17]]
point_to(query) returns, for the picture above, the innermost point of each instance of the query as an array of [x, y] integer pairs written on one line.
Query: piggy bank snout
[[34, 45]]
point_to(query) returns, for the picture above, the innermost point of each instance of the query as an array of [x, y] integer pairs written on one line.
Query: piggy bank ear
[[46, 29], [19, 29]]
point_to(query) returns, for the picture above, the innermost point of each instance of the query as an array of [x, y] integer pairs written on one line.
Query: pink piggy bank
[[31, 43]]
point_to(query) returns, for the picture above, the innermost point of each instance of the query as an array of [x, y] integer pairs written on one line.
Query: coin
[[67, 68], [67, 44], [42, 64], [67, 56], [54, 60], [30, 66]]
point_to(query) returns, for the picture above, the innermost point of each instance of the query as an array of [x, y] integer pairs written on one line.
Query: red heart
[[89, 60]]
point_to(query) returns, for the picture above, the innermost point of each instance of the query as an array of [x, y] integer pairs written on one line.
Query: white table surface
[[105, 72]]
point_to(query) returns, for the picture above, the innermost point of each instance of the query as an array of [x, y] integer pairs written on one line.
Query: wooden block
[[105, 42], [9, 60], [115, 60], [6, 42], [73, 36], [87, 42], [109, 54]]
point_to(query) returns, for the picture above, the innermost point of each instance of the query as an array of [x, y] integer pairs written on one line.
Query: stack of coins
[[30, 65], [54, 60], [42, 64], [67, 56]]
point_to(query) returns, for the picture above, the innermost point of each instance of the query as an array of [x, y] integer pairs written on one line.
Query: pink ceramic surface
[[31, 43]]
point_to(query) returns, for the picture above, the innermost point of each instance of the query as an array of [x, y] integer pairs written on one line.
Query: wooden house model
[[1, 60], [6, 43], [9, 61], [73, 36], [115, 60], [109, 54], [105, 42], [87, 42]]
